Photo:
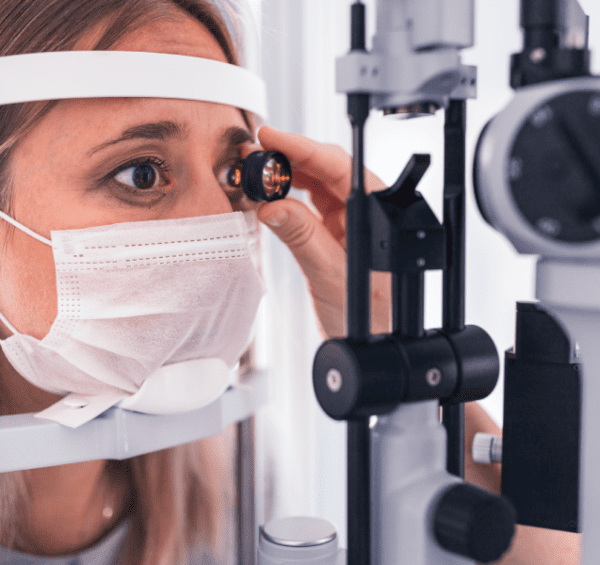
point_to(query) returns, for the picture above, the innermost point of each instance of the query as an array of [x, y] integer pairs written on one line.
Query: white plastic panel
[[95, 74], [29, 443], [442, 23]]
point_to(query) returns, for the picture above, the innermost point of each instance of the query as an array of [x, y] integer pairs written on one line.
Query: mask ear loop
[[8, 324], [24, 229], [32, 234]]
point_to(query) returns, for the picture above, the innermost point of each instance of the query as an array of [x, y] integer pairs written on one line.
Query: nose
[[212, 199], [203, 196]]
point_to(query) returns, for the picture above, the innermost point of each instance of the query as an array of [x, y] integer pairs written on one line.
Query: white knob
[[487, 448]]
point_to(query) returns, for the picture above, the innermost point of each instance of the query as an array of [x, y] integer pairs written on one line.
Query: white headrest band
[[125, 74]]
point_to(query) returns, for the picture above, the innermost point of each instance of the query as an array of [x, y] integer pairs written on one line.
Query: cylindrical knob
[[355, 379], [487, 448], [478, 364], [473, 523], [298, 539]]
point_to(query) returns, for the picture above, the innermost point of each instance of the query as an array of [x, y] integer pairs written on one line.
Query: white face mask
[[151, 314]]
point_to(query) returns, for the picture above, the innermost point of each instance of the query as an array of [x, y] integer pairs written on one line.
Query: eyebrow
[[236, 135], [157, 130], [167, 130]]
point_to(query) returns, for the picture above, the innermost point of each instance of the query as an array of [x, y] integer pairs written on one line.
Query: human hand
[[318, 241]]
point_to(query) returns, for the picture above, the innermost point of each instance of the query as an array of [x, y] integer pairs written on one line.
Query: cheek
[[28, 285]]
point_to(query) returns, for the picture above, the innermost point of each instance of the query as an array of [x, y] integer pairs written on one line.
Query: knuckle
[[306, 159], [300, 235], [336, 148]]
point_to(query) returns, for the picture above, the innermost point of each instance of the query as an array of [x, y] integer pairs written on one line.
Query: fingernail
[[277, 219]]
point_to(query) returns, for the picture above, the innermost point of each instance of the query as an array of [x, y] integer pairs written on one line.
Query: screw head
[[334, 380], [537, 55], [433, 376]]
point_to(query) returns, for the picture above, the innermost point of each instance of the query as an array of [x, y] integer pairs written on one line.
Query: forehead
[[74, 127], [81, 119], [179, 35]]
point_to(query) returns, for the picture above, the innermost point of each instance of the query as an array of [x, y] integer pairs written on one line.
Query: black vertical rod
[[359, 324], [359, 492], [358, 229], [408, 304], [358, 36], [454, 216], [454, 275], [359, 318], [454, 422], [540, 23]]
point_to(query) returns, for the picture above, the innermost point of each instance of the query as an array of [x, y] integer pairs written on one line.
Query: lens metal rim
[[252, 175]]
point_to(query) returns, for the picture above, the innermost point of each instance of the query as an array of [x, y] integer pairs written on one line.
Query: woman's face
[[95, 162]]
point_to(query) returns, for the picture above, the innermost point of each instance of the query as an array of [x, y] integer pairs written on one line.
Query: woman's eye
[[142, 176], [230, 178]]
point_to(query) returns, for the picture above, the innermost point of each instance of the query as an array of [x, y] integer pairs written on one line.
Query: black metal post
[[454, 274], [358, 229], [359, 492], [540, 23], [408, 304], [359, 323], [359, 319], [454, 216]]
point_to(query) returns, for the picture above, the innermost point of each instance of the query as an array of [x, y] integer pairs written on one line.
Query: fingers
[[328, 165], [318, 243], [321, 258], [317, 165]]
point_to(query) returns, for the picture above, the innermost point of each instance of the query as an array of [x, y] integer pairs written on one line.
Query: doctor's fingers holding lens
[[318, 240]]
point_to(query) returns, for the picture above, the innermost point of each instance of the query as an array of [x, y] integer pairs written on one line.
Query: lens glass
[[274, 178]]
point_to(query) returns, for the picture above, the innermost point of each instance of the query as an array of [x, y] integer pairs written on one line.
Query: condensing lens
[[266, 176], [274, 178]]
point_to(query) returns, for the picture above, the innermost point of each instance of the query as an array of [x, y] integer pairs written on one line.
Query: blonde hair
[[182, 496]]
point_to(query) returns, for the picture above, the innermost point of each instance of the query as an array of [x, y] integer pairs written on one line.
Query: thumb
[[321, 258], [300, 229]]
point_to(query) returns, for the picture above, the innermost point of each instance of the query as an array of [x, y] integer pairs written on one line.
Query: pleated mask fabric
[[134, 297]]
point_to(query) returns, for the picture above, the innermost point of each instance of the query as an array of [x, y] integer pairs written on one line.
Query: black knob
[[357, 379], [473, 523]]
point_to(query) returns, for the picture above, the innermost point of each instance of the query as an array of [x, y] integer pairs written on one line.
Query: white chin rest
[[181, 387]]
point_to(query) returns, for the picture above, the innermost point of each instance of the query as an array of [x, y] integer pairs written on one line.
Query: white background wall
[[302, 463]]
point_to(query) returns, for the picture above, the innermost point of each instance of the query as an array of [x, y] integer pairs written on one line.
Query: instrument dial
[[553, 167]]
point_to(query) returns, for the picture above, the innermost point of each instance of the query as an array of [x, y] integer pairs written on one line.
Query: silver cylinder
[[299, 539]]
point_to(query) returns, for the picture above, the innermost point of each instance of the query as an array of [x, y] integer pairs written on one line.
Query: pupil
[[144, 176], [234, 177]]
